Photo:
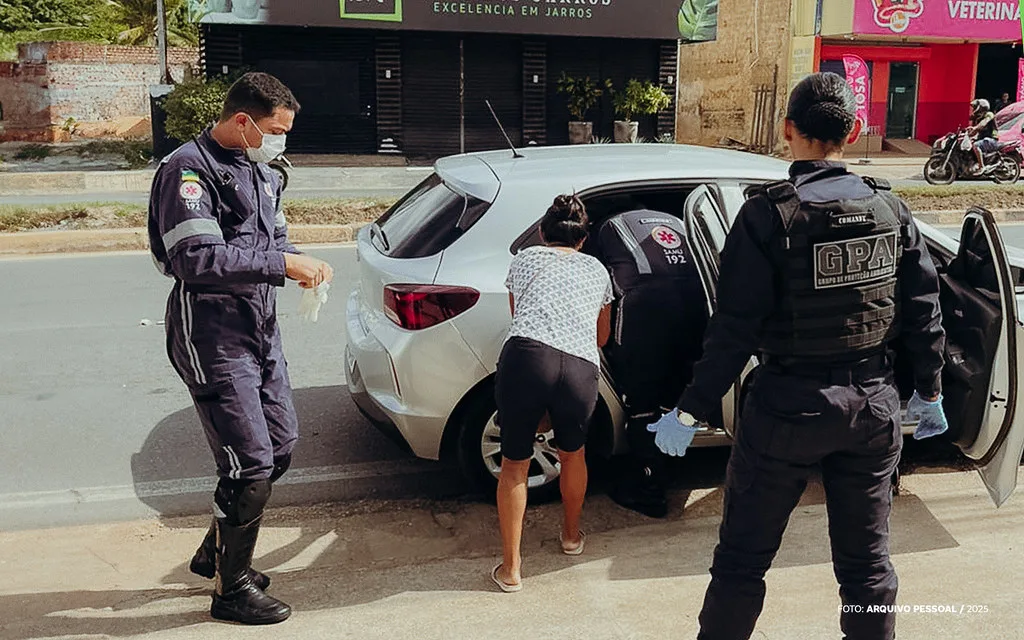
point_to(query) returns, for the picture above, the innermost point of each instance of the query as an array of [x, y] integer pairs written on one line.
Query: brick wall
[[717, 79], [55, 81], [89, 53]]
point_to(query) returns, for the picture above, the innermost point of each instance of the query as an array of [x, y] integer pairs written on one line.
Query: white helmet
[[980, 105]]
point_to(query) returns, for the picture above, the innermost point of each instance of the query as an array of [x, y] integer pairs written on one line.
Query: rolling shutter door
[[333, 75], [430, 95], [493, 71]]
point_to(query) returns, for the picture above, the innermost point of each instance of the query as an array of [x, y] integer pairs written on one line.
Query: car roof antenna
[[515, 152]]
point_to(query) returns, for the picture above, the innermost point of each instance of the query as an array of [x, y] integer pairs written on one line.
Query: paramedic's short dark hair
[[823, 108], [258, 94], [566, 222]]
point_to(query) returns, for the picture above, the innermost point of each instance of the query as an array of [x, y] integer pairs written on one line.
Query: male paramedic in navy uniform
[[819, 275], [216, 227]]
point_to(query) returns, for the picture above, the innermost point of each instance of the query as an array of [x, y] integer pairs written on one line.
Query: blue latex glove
[[671, 434], [930, 415]]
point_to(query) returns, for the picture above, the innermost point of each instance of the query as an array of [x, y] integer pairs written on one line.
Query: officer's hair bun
[[566, 222], [823, 107]]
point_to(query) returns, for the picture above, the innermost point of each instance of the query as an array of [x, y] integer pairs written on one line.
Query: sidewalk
[[405, 570]]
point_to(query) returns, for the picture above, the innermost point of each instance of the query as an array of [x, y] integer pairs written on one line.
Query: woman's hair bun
[[823, 107], [566, 221]]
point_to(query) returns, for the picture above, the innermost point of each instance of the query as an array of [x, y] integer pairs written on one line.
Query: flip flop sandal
[[578, 550], [504, 586]]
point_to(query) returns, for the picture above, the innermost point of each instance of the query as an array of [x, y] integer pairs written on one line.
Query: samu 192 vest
[[837, 283]]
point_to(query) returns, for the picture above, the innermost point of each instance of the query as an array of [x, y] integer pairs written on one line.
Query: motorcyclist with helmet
[[983, 132]]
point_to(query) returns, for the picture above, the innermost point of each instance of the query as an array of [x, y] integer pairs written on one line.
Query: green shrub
[[640, 99], [192, 106], [583, 94]]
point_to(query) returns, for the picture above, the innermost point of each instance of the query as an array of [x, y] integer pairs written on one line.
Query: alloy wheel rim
[[544, 465]]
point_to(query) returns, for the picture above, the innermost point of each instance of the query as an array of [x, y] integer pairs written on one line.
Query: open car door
[[984, 343], [706, 231]]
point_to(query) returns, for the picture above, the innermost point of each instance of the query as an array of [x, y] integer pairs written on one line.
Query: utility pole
[[161, 42]]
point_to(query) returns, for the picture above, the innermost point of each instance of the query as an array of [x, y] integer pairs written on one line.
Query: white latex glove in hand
[[674, 432], [312, 300]]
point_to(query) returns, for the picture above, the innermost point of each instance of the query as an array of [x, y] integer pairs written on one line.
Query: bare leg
[[573, 482], [979, 156], [511, 510]]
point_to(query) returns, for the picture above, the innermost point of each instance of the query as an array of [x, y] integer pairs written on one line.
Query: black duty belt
[[839, 374]]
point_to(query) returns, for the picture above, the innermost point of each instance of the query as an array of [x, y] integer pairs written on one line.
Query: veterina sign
[[985, 20], [695, 20]]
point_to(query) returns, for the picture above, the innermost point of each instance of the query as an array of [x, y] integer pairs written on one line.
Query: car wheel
[[938, 171], [480, 452]]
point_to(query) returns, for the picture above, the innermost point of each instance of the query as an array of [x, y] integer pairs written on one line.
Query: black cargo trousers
[[844, 423]]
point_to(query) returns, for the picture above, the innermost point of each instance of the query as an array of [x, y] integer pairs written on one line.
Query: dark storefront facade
[[374, 86]]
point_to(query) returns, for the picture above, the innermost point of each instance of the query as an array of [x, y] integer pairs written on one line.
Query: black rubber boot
[[204, 561], [639, 489], [236, 597]]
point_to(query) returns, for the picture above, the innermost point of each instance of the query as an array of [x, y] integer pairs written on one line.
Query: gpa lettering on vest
[[855, 261]]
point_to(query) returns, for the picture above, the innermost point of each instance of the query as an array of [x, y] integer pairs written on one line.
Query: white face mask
[[273, 146]]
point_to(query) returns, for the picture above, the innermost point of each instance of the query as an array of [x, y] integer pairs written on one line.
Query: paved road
[[96, 426]]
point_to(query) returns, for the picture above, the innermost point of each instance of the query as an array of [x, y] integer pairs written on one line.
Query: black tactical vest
[[837, 268]]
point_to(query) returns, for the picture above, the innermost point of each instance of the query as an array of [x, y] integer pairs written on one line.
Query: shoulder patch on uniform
[[188, 175], [191, 191]]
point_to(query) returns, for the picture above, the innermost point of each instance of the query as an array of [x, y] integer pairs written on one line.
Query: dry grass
[[122, 216], [960, 197]]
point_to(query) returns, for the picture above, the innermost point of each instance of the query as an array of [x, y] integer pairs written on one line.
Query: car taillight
[[420, 306]]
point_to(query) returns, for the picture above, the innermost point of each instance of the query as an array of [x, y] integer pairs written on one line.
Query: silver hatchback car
[[428, 318]]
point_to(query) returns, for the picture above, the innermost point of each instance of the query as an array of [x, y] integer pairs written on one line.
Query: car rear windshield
[[426, 221]]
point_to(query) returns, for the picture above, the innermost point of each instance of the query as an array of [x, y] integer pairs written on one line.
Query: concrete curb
[[136, 239]]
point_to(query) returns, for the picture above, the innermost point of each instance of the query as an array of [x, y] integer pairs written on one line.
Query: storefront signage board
[[691, 20], [986, 21]]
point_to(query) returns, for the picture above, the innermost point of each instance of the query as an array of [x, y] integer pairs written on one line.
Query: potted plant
[[639, 98], [583, 94]]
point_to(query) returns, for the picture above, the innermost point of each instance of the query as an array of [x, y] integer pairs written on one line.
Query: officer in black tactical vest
[[657, 330], [819, 275]]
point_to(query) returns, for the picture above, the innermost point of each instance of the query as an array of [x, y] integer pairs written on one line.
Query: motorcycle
[[953, 157]]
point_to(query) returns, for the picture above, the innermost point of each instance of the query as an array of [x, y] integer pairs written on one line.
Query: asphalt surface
[[96, 426]]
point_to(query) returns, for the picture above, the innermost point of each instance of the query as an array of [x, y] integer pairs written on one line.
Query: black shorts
[[534, 379]]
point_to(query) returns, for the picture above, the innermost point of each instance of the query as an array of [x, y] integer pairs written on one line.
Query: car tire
[[477, 430]]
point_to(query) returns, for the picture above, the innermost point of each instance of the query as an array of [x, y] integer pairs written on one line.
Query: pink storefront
[[922, 56]]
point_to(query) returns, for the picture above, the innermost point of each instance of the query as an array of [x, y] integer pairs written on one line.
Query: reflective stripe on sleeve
[[280, 221], [191, 229]]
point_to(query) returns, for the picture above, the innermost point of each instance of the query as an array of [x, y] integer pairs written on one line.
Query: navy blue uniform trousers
[[227, 349], [845, 425]]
